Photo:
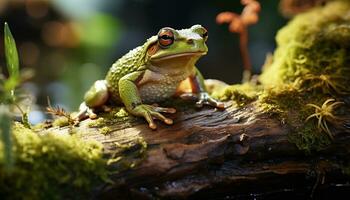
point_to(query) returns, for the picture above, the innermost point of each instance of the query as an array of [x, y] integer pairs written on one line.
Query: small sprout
[[239, 24], [7, 95], [25, 117], [12, 62], [325, 114]]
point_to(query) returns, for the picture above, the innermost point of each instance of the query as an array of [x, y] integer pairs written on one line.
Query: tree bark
[[217, 154]]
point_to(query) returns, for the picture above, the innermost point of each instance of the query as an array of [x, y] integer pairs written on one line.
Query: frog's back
[[130, 62]]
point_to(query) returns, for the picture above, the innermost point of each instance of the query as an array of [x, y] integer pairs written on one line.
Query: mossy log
[[214, 153], [288, 135]]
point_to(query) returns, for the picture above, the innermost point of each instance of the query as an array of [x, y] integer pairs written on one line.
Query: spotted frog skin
[[154, 72]]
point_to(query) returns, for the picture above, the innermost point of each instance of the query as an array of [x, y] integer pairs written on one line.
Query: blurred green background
[[69, 44]]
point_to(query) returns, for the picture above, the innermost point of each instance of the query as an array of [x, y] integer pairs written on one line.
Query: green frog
[[161, 68]]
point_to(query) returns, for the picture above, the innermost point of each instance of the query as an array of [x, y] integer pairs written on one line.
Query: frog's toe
[[165, 110], [82, 114], [148, 117], [153, 112], [161, 117], [215, 103], [200, 103], [189, 96], [205, 99], [220, 105], [91, 113], [92, 116]]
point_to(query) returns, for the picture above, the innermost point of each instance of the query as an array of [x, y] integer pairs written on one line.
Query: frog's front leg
[[129, 95], [200, 93]]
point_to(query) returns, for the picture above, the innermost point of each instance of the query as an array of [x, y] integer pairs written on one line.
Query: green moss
[[289, 104], [121, 113], [115, 115], [310, 65], [280, 99], [316, 43], [51, 167], [60, 122], [240, 94], [105, 130], [136, 151], [308, 138], [99, 122]]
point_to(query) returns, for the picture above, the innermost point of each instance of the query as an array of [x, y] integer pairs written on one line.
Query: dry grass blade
[[328, 83], [58, 111]]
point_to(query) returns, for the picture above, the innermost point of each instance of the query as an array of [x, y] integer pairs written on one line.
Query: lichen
[[51, 166]]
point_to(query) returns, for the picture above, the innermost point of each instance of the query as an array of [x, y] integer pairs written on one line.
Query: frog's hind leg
[[95, 97]]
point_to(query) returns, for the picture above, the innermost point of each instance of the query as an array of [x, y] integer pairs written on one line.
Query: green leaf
[[5, 133], [11, 56]]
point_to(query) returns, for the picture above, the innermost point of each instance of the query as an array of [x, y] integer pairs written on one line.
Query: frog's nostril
[[190, 41]]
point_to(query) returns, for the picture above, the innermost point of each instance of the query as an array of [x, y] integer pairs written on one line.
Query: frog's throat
[[185, 54]]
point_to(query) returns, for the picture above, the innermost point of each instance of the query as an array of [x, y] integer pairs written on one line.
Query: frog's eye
[[165, 37]]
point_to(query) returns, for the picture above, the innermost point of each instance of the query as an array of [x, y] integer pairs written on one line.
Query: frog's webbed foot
[[150, 112], [85, 112], [202, 98]]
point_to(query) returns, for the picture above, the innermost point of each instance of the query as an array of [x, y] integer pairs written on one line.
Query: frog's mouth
[[185, 54]]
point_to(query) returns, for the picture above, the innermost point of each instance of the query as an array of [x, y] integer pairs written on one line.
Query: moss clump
[[314, 43], [136, 151], [289, 103], [99, 122], [280, 99], [310, 65], [51, 167], [105, 130], [60, 122], [121, 113], [115, 115], [308, 138], [240, 94]]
